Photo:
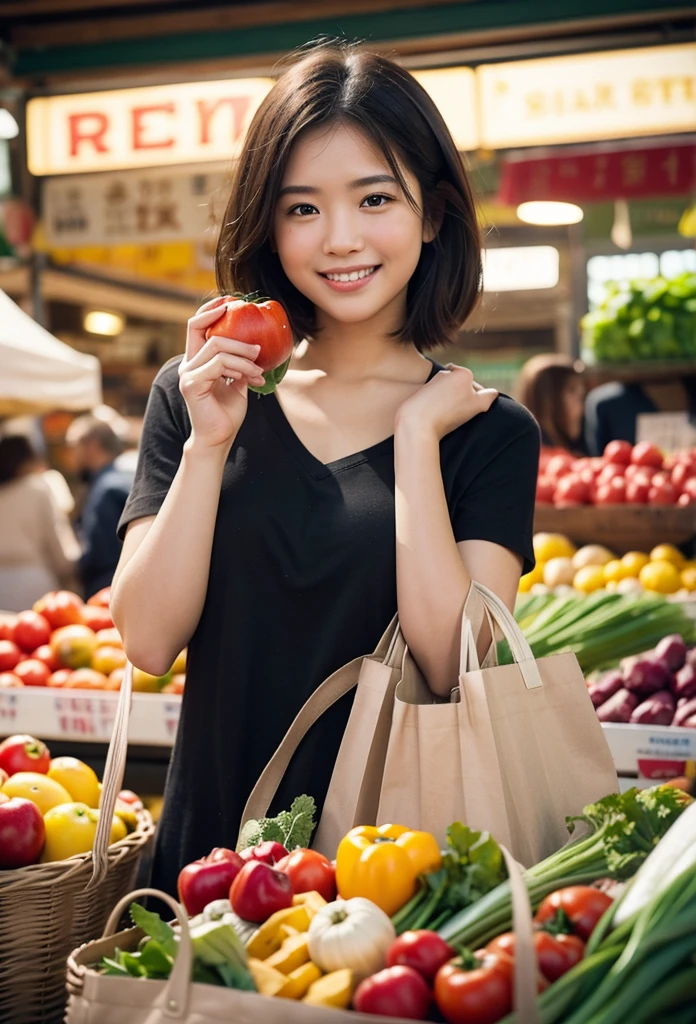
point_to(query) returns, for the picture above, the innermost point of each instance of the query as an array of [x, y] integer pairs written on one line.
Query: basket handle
[[113, 779], [175, 996]]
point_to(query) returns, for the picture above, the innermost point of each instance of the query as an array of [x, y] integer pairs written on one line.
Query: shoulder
[[505, 422]]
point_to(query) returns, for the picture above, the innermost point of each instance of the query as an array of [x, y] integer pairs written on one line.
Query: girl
[[277, 535]]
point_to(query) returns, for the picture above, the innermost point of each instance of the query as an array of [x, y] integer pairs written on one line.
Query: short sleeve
[[497, 487], [165, 430]]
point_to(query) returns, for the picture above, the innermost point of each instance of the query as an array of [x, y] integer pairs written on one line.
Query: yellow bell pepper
[[382, 863]]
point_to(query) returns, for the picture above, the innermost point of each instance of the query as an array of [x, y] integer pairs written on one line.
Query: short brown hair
[[332, 82], [540, 388]]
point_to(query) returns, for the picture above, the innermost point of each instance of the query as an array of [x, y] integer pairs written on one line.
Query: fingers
[[200, 321], [243, 353], [198, 381]]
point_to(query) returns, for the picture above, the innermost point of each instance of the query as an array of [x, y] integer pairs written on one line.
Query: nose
[[342, 235]]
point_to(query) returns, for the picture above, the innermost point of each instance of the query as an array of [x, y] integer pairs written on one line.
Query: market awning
[[38, 373]]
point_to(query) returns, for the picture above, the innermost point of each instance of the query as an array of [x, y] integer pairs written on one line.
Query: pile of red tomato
[[625, 474]]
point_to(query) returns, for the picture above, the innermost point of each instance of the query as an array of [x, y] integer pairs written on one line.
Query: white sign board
[[626, 93]]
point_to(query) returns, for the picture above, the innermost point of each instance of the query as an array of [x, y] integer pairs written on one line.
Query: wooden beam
[[27, 8], [206, 19], [425, 45]]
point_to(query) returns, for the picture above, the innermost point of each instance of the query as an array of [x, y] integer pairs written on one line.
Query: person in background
[[38, 549], [97, 443], [552, 387], [612, 409]]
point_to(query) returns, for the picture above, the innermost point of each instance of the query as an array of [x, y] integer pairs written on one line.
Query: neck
[[357, 351]]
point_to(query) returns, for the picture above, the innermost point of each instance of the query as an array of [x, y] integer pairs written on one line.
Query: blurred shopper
[[38, 549], [97, 442], [552, 387], [612, 409]]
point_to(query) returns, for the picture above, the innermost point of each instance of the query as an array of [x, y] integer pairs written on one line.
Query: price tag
[[85, 717], [8, 711]]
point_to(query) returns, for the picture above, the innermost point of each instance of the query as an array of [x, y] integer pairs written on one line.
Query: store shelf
[[651, 751], [621, 528], [84, 717]]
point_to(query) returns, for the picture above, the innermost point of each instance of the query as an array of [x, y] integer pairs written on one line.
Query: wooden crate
[[621, 528]]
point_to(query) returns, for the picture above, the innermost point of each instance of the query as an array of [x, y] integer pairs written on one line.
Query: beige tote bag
[[514, 750]]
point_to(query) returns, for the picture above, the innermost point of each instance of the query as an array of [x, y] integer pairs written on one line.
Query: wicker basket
[[46, 910]]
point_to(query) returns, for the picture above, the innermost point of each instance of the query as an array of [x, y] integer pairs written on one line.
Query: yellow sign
[[615, 95], [453, 91]]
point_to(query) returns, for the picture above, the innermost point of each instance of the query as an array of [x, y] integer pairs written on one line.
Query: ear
[[432, 221]]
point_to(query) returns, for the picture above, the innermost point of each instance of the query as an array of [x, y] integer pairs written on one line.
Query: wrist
[[414, 431], [200, 452]]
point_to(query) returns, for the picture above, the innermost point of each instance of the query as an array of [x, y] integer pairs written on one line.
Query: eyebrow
[[309, 190]]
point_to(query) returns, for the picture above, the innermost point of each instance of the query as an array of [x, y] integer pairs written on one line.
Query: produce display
[[599, 628], [625, 474], [49, 806], [657, 687], [644, 319], [444, 949], [66, 643], [561, 567]]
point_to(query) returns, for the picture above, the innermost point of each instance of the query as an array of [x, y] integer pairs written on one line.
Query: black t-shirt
[[302, 580]]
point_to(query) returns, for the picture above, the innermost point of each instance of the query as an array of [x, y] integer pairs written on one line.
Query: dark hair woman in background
[[551, 386]]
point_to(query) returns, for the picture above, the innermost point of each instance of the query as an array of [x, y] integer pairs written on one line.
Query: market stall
[[40, 373]]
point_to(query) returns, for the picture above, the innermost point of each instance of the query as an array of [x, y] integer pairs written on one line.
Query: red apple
[[46, 654], [267, 852], [618, 452], [10, 655], [22, 832], [7, 626], [208, 879], [22, 753], [33, 672], [60, 608], [647, 454], [31, 631]]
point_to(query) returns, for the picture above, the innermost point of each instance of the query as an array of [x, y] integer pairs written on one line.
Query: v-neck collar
[[318, 469]]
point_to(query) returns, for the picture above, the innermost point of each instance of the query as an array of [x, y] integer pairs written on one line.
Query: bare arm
[[433, 578], [160, 584]]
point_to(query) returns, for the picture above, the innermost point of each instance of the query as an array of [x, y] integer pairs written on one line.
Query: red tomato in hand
[[257, 323], [477, 994], [31, 631], [422, 950], [10, 655], [394, 992], [309, 871], [618, 452], [582, 905], [556, 954], [33, 672], [647, 454]]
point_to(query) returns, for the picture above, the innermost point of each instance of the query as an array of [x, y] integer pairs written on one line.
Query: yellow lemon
[[552, 545], [634, 562], [661, 577], [589, 579], [688, 578], [42, 791], [179, 665], [78, 778], [615, 571], [70, 830], [530, 578], [668, 553]]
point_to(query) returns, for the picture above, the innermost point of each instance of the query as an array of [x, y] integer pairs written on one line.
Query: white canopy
[[38, 373]]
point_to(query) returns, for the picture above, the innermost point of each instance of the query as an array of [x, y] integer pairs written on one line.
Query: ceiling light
[[9, 129], [98, 321], [548, 214]]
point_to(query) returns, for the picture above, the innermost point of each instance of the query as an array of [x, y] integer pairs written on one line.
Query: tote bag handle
[[521, 651]]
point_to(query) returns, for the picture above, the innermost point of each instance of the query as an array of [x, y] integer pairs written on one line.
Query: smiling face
[[346, 234]]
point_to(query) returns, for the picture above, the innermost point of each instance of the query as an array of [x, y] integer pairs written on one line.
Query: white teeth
[[355, 275]]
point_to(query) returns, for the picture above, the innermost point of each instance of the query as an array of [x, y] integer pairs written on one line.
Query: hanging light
[[99, 321], [9, 129], [547, 213]]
